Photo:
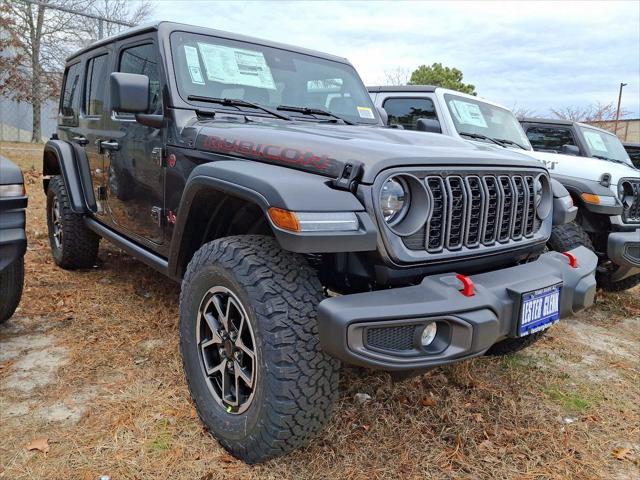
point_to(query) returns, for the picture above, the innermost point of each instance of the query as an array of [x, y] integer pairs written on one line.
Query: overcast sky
[[535, 55]]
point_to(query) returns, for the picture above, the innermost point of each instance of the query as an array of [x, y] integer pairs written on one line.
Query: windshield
[[214, 67], [479, 118], [603, 144]]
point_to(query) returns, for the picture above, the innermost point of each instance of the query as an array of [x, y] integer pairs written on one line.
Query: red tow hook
[[468, 289], [573, 261]]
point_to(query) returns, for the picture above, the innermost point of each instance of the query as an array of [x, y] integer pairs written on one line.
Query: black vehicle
[[13, 240], [633, 150], [304, 233]]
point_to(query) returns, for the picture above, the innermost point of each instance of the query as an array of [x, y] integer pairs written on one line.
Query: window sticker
[[193, 64], [236, 66], [365, 112], [594, 139], [469, 113]]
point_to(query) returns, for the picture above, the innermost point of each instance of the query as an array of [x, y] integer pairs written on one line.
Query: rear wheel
[[73, 245], [249, 341], [11, 282]]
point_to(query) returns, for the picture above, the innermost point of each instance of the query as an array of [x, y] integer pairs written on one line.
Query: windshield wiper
[[615, 160], [313, 111], [236, 102], [481, 137], [509, 142]]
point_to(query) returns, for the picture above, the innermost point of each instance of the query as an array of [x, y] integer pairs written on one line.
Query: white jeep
[[606, 190]]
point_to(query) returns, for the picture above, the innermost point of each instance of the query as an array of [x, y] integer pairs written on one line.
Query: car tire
[[289, 384], [11, 283], [73, 245], [571, 235]]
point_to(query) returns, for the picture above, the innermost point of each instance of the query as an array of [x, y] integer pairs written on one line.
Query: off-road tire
[[511, 345], [297, 383], [567, 237], [79, 245], [571, 235], [11, 282]]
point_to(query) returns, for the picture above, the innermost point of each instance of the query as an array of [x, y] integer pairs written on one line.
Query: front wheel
[[11, 282], [249, 341]]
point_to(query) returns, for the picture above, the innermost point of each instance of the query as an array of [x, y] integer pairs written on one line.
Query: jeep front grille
[[631, 214], [471, 210]]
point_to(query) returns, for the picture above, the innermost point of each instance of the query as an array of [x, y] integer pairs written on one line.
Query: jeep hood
[[584, 167], [327, 149]]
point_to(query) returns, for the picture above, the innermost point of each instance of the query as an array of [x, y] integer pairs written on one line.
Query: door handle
[[109, 145], [80, 140]]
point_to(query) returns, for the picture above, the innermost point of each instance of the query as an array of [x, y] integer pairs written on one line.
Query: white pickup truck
[[606, 190]]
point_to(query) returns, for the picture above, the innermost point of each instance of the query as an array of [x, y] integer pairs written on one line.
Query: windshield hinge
[[348, 179]]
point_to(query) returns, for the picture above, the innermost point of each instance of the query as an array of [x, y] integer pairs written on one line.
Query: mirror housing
[[570, 150], [428, 125], [129, 92], [383, 115]]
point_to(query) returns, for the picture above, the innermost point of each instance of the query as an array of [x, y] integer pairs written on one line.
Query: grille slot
[[471, 209], [631, 214], [391, 338]]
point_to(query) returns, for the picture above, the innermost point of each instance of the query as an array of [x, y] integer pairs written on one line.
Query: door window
[[94, 92], [407, 111], [550, 138], [69, 98], [142, 59]]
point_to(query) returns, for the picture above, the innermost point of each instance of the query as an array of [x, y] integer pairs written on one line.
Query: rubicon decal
[[272, 153]]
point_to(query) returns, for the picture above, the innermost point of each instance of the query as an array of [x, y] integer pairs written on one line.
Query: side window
[[69, 97], [406, 111], [142, 59], [95, 86], [549, 138]]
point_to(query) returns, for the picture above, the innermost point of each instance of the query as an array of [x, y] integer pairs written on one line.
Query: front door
[[134, 174]]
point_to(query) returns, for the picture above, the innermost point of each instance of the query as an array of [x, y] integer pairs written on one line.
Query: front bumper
[[381, 329], [13, 240], [623, 249]]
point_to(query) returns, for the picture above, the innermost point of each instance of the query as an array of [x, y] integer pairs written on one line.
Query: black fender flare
[[274, 186], [76, 177], [577, 186]]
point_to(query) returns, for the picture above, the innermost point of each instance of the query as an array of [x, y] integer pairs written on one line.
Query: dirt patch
[[91, 361]]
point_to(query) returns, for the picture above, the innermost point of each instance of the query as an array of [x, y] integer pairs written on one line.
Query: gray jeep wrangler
[[303, 231]]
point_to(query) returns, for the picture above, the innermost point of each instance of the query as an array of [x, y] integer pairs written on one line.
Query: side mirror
[[570, 150], [428, 125], [129, 92], [383, 115]]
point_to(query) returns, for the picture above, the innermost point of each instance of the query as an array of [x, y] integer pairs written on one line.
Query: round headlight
[[394, 200], [538, 190], [625, 193]]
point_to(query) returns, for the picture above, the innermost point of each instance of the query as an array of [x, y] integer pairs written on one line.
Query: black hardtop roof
[[631, 144], [402, 88], [165, 28], [550, 121]]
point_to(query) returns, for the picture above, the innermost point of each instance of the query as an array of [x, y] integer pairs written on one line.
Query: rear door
[[406, 111], [549, 138], [133, 170]]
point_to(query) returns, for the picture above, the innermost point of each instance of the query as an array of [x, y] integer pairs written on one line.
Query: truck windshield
[[218, 68], [475, 118], [604, 145]]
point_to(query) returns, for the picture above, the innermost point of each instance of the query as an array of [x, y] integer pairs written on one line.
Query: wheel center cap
[[228, 348]]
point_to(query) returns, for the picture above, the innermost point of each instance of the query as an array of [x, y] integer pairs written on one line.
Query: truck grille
[[631, 214], [470, 210]]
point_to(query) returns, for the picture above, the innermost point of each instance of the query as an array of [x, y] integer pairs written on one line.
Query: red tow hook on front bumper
[[573, 261], [468, 289]]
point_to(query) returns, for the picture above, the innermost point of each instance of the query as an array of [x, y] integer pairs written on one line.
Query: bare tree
[[397, 76], [118, 11], [521, 112], [36, 39], [595, 113]]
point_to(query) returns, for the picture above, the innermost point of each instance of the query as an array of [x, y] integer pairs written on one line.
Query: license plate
[[539, 310]]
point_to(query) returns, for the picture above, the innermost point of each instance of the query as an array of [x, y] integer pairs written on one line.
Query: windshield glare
[[474, 116], [603, 144], [214, 67]]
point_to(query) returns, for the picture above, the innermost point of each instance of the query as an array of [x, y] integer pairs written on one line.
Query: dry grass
[[557, 411]]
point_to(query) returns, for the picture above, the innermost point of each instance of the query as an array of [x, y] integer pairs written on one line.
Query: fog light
[[429, 334]]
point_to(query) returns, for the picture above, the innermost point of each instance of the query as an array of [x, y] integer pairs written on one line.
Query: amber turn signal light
[[284, 219]]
